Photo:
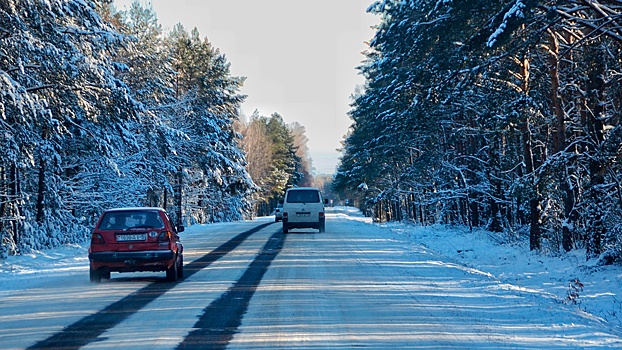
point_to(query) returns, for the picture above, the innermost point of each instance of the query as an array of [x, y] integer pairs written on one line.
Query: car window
[[154, 220], [127, 220], [303, 196]]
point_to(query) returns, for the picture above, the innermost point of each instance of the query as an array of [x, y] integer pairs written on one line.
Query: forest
[[101, 108], [503, 115]]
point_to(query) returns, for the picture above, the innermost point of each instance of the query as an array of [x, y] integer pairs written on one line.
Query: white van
[[303, 207]]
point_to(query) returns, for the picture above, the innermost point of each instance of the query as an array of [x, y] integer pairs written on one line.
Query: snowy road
[[248, 286]]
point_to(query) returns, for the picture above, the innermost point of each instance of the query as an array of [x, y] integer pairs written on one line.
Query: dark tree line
[[100, 109], [496, 114]]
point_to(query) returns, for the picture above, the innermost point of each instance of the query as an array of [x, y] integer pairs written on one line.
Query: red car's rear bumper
[[151, 260]]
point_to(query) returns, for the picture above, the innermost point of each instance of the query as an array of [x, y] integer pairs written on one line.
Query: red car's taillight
[[96, 238], [165, 236]]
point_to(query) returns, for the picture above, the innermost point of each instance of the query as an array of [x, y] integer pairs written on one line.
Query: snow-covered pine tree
[[211, 173], [147, 70], [59, 54], [506, 114]]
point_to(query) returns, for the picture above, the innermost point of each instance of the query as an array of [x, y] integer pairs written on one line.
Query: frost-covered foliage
[[94, 115], [501, 114], [515, 14], [60, 101]]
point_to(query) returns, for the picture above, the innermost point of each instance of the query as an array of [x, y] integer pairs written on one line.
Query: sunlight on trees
[[101, 108], [502, 115]]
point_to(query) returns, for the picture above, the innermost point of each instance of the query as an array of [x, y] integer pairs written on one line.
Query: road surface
[[249, 286]]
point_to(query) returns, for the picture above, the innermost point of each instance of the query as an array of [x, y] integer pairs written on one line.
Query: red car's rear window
[[124, 220]]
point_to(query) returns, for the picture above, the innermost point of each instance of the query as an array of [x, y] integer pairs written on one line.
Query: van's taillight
[[96, 238], [165, 236], [321, 215]]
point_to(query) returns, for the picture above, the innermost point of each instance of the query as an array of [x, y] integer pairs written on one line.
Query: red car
[[135, 239]]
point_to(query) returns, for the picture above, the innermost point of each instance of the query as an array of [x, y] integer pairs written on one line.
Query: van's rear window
[[303, 196]]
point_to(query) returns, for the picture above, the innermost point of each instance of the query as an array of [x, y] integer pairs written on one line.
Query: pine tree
[[57, 54], [492, 113], [211, 164]]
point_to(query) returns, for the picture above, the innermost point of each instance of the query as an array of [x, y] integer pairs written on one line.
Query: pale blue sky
[[299, 57]]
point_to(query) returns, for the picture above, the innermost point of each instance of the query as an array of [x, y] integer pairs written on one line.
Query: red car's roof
[[135, 209]]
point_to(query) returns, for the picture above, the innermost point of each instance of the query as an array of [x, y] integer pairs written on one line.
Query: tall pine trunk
[[179, 195], [596, 130], [41, 191], [10, 207], [559, 143], [535, 230]]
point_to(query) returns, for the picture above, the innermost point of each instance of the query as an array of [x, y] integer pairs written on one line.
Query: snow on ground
[[567, 278]]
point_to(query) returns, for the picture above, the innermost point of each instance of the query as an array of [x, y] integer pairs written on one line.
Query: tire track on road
[[87, 329], [222, 318]]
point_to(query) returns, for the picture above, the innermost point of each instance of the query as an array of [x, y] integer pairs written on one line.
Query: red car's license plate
[[136, 237]]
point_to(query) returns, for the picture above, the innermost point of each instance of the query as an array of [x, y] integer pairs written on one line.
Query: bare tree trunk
[[423, 212], [596, 130], [560, 142], [179, 196], [10, 209], [165, 198], [4, 196], [41, 191], [535, 230]]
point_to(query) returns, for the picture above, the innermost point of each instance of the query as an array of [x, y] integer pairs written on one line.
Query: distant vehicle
[[278, 212], [135, 239], [303, 207]]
